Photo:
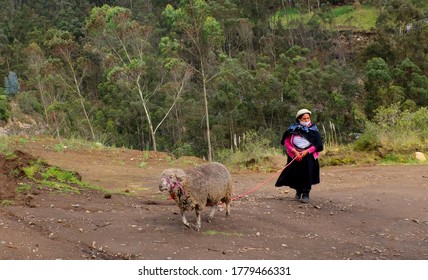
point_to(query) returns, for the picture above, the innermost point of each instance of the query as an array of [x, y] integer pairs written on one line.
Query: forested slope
[[194, 77]]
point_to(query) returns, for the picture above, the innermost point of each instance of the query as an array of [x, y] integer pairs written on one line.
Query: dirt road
[[364, 212]]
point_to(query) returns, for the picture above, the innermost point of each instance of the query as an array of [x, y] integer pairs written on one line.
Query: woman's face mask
[[305, 123], [305, 120]]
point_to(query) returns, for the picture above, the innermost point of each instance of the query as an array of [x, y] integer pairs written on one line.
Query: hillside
[[194, 79]]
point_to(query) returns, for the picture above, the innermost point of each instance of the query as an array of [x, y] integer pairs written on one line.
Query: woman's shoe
[[298, 195], [305, 199]]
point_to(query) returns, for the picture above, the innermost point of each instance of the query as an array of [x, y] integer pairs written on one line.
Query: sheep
[[194, 188]]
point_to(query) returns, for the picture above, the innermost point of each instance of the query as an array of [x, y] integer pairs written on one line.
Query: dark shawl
[[311, 134]]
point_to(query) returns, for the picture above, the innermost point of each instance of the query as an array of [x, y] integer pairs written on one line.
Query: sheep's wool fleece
[[210, 180]]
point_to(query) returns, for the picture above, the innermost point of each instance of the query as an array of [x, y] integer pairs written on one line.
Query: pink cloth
[[288, 143]]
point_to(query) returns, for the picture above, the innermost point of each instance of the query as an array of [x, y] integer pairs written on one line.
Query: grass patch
[[23, 141], [142, 189], [346, 155], [52, 177], [77, 145], [59, 187], [142, 164], [11, 155], [343, 10], [394, 158], [44, 175], [363, 18], [23, 188], [59, 148], [3, 145], [62, 176], [6, 202], [67, 181], [222, 233], [15, 172], [32, 170], [291, 18]]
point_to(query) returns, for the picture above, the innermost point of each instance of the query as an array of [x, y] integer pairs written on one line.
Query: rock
[[420, 156]]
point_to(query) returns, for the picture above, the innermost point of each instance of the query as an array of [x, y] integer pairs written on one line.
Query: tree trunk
[[77, 84], [204, 85], [146, 111]]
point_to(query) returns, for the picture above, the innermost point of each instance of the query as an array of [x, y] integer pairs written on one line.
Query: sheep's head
[[171, 178]]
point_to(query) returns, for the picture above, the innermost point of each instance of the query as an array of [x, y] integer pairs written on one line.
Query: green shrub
[[419, 122], [395, 130], [28, 103], [397, 158], [4, 108], [251, 153], [368, 141], [183, 149]]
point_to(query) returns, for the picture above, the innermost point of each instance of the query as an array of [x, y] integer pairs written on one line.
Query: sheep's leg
[[183, 218], [211, 216], [198, 219], [228, 209]]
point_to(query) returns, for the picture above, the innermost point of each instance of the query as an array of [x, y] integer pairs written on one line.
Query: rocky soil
[[357, 212]]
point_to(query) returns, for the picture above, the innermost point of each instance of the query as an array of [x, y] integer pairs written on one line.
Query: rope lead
[[261, 184]]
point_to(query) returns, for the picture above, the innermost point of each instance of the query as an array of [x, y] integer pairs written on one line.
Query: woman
[[303, 143]]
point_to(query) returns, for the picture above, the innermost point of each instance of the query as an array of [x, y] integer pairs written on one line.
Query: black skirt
[[300, 175]]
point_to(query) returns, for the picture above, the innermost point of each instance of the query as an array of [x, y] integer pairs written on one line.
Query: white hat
[[302, 111]]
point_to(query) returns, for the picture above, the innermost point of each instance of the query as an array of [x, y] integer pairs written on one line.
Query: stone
[[420, 156]]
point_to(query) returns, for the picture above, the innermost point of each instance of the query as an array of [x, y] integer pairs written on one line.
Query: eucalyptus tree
[[75, 69], [378, 78], [4, 53], [4, 107], [233, 86], [44, 82], [408, 76], [130, 62], [199, 38]]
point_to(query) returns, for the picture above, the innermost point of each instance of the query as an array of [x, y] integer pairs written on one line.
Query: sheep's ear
[[180, 175], [179, 178]]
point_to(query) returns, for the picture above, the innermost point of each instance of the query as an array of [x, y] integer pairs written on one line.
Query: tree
[[409, 76], [11, 84], [124, 47], [399, 15], [44, 81], [75, 68], [378, 80], [4, 107], [401, 31], [233, 100], [200, 38]]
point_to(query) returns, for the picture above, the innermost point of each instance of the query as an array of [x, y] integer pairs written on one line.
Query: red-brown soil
[[357, 212]]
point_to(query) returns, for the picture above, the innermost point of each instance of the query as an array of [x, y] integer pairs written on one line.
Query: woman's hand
[[297, 155], [304, 153]]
